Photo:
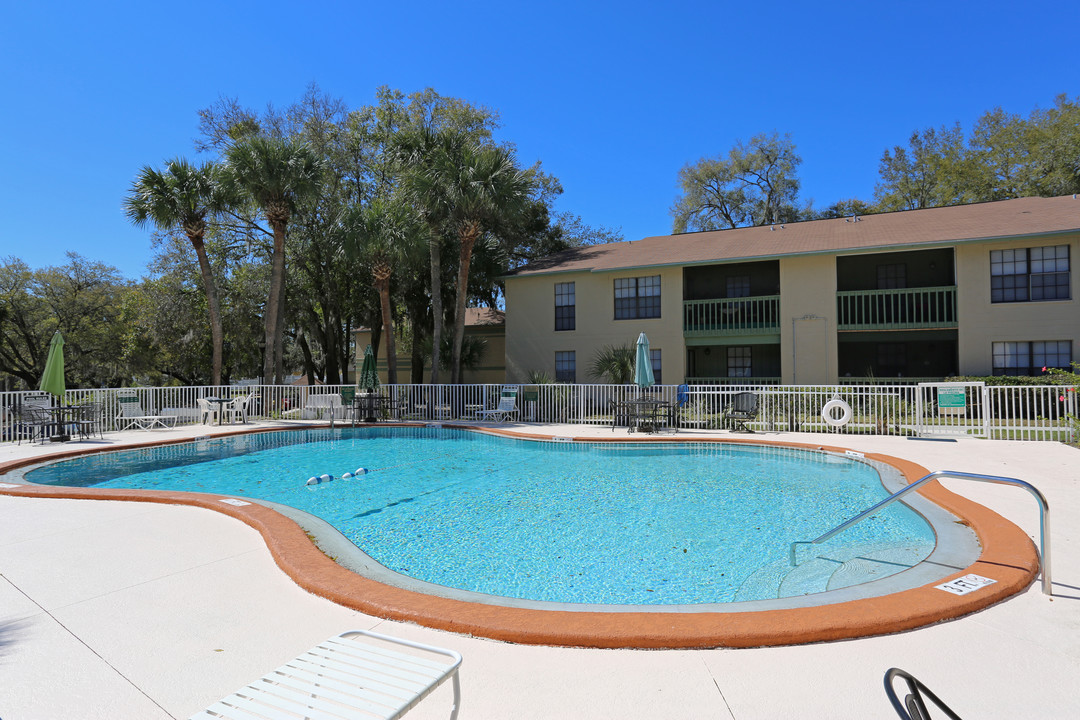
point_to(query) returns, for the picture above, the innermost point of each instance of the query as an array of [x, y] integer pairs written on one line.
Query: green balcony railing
[[733, 380], [903, 309], [731, 316]]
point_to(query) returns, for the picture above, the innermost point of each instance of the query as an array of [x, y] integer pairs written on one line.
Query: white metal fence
[[1010, 413]]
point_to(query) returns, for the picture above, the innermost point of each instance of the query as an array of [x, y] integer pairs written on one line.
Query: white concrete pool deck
[[133, 610]]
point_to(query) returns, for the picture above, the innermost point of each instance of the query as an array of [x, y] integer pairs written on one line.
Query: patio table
[[63, 416], [221, 407], [647, 416]]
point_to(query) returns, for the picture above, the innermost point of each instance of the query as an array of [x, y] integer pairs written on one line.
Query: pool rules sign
[[966, 584]]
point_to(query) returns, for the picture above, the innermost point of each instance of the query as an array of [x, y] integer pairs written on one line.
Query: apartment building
[[917, 295]]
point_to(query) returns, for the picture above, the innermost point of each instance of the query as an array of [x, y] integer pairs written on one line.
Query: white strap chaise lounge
[[358, 674], [507, 407], [132, 415]]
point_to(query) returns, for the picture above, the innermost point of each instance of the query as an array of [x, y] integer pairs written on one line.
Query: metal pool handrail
[[1044, 515]]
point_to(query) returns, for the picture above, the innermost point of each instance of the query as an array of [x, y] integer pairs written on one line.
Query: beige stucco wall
[[532, 341], [808, 319], [983, 323]]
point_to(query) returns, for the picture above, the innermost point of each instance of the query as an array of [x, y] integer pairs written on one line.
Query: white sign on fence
[[951, 409], [951, 400]]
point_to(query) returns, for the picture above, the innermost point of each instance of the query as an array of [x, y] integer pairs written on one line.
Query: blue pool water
[[616, 523]]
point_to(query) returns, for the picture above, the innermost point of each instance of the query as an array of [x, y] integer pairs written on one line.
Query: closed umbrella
[[369, 375], [643, 376], [52, 380], [369, 380]]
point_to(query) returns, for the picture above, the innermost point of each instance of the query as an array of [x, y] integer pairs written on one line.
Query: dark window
[[654, 358], [564, 306], [892, 358], [565, 367], [738, 286], [890, 277], [738, 362], [637, 298], [1029, 274], [1029, 358]]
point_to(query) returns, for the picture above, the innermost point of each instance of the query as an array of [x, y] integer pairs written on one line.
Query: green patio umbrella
[[369, 375], [643, 376], [52, 380]]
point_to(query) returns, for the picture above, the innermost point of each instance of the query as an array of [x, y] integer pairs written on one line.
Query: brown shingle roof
[[473, 316], [1030, 216], [484, 316]]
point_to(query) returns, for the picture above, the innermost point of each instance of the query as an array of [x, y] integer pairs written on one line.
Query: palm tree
[[479, 189], [182, 196], [278, 175], [417, 153], [383, 234], [615, 363]]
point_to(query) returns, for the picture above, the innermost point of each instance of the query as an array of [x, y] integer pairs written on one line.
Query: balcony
[[731, 316], [902, 309]]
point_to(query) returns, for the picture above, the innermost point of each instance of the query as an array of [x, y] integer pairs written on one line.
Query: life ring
[[845, 413]]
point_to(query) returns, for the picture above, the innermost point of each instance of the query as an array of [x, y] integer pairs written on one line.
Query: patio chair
[[742, 409], [682, 400], [207, 412], [507, 407], [88, 421], [132, 415], [620, 414], [239, 408], [33, 423], [356, 674]]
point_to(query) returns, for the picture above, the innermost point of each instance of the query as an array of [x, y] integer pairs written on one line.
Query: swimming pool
[[667, 525]]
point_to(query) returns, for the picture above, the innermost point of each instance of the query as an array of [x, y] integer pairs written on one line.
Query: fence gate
[[952, 409]]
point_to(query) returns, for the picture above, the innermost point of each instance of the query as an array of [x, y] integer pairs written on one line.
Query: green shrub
[[1051, 378]]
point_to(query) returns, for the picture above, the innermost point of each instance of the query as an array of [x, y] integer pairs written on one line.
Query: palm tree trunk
[[273, 302], [383, 286], [468, 236], [279, 336], [214, 308], [434, 245]]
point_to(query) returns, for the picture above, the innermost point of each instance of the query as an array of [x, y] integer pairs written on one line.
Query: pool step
[[763, 583], [875, 562], [828, 569], [810, 576]]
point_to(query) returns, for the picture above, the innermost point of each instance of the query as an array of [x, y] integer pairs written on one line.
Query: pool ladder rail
[[1044, 515]]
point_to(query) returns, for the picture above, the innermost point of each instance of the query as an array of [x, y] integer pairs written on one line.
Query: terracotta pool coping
[[1008, 557]]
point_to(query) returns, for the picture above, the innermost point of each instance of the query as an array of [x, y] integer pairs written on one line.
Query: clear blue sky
[[613, 97]]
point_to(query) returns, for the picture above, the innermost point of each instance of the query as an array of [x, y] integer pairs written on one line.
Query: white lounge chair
[[132, 415], [356, 674], [319, 406], [507, 407]]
